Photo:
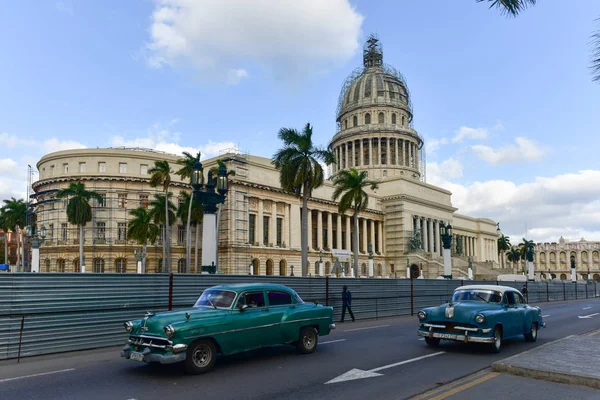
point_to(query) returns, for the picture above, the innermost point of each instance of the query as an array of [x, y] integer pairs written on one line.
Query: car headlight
[[128, 326], [480, 319], [422, 315], [169, 331]]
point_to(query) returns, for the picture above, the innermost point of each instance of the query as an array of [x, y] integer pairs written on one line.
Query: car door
[[522, 324], [512, 315], [281, 307], [249, 324]]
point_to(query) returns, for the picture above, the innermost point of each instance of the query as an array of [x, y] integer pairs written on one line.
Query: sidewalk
[[573, 360]]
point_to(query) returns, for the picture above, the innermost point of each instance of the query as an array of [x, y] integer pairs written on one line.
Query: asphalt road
[[399, 365]]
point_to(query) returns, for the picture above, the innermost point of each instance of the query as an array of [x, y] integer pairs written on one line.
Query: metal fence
[[50, 313]]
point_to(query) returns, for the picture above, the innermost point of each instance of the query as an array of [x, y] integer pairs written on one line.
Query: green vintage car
[[228, 319], [481, 314]]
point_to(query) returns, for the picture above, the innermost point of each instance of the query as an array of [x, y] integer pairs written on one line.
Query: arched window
[[98, 266], [379, 270], [282, 268], [269, 267], [354, 122], [367, 118], [316, 272], [181, 266], [327, 268], [120, 265], [381, 118], [47, 264], [563, 277], [60, 265], [76, 265], [402, 124], [394, 118], [255, 267], [363, 269], [596, 277], [345, 126]]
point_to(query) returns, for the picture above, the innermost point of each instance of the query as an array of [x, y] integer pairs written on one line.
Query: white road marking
[[584, 308], [422, 338], [355, 373], [367, 327], [544, 316], [588, 316], [34, 375], [333, 341]]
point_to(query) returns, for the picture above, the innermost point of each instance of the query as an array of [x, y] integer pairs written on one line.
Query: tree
[[79, 211], [523, 246], [161, 175], [503, 246], [185, 172], [4, 225], [15, 214], [195, 216], [514, 255], [349, 188], [159, 216], [300, 172], [142, 229], [512, 8]]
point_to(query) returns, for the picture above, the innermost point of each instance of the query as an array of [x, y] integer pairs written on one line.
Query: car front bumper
[[456, 337], [149, 356]]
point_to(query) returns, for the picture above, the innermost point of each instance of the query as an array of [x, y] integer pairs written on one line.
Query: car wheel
[[201, 357], [497, 345], [532, 335], [307, 343], [433, 342]]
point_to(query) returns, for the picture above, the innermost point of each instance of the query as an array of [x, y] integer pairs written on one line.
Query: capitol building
[[259, 223]]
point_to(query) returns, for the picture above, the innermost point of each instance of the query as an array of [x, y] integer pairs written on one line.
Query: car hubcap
[[201, 356], [533, 331], [308, 340], [498, 339]]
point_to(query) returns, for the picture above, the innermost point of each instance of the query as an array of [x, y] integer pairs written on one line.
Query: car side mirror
[[243, 307], [316, 302]]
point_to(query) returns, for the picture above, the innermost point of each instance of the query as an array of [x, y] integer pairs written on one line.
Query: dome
[[374, 84]]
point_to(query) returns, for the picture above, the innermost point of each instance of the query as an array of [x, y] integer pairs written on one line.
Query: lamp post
[[320, 263], [573, 273], [209, 199], [292, 270], [499, 232], [36, 242], [446, 235], [139, 256], [370, 250]]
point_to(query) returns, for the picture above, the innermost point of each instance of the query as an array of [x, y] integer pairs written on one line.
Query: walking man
[[346, 303]]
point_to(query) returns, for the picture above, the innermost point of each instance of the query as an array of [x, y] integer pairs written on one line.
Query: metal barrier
[[51, 313]]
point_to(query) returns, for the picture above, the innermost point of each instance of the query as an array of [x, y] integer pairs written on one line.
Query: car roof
[[497, 288], [240, 287]]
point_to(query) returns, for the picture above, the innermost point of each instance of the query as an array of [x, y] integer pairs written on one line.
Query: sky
[[507, 106]]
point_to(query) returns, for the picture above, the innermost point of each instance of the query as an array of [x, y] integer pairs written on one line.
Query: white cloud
[[8, 166], [287, 37], [544, 209], [524, 150], [464, 132], [52, 145], [12, 141], [433, 145]]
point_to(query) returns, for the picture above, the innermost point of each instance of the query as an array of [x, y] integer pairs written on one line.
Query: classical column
[[372, 225], [346, 159], [380, 237], [348, 230], [370, 151], [329, 230], [286, 225], [416, 156], [273, 233], [379, 151], [259, 223], [425, 235], [310, 231], [295, 226], [320, 229], [362, 152], [436, 237], [430, 230], [404, 152], [388, 157], [339, 232], [364, 238]]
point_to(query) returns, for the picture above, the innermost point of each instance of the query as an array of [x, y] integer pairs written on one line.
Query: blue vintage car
[[481, 314]]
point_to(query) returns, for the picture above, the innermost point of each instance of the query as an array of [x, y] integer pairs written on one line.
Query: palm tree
[[5, 228], [300, 172], [195, 216], [79, 211], [161, 175], [350, 184], [523, 248], [15, 213], [185, 172], [159, 216], [142, 229], [503, 246], [514, 255]]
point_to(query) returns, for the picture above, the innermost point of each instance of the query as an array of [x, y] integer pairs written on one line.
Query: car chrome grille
[[452, 326], [149, 341]]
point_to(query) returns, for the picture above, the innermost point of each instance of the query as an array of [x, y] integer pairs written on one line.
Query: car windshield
[[216, 298], [488, 296]]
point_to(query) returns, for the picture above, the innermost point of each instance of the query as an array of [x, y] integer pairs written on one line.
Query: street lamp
[[209, 199], [36, 242], [139, 255], [573, 272], [320, 262], [446, 236]]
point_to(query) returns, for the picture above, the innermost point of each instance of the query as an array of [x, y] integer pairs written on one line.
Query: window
[[335, 243], [252, 299], [355, 121], [60, 265], [123, 168], [367, 118], [81, 167], [122, 231], [122, 200], [180, 234], [181, 266], [381, 118], [394, 118], [52, 170], [120, 265], [98, 266], [510, 298], [101, 167], [144, 200], [103, 203], [345, 124], [143, 169], [279, 231], [50, 231], [100, 230], [279, 298], [403, 120], [252, 229], [266, 231], [65, 168], [64, 231], [384, 173], [519, 299]]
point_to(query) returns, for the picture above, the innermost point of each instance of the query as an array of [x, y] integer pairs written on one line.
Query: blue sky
[[180, 74]]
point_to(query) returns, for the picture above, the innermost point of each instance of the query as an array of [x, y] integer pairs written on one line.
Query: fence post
[[547, 293], [575, 290], [527, 291], [171, 291], [564, 292], [326, 290], [21, 338], [412, 304]]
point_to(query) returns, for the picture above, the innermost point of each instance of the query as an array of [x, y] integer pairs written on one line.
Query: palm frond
[[510, 7], [595, 67]]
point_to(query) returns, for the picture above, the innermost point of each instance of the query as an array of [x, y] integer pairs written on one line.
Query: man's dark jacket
[[347, 298]]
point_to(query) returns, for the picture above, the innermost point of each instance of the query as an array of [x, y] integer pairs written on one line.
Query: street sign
[[341, 255]]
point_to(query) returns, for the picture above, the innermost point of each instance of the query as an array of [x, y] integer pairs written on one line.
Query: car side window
[[510, 297], [252, 299], [279, 298], [520, 299]]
